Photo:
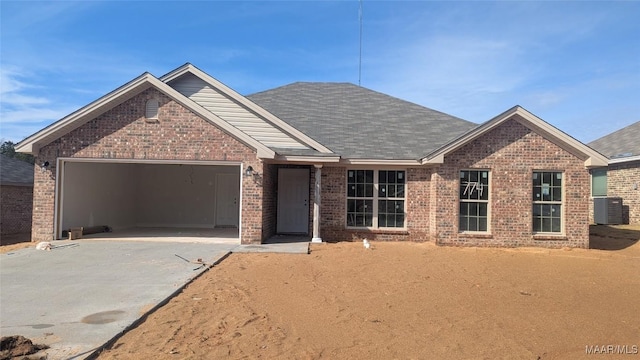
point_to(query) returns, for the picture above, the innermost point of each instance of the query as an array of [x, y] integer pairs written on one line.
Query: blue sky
[[575, 64]]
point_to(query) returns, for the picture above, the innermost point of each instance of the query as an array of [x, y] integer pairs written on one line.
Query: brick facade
[[511, 153], [124, 133], [623, 180], [16, 203]]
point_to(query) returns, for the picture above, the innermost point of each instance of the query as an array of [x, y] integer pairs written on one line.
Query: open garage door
[[150, 198]]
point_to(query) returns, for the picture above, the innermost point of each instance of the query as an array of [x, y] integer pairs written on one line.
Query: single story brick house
[[332, 161], [621, 179], [16, 196]]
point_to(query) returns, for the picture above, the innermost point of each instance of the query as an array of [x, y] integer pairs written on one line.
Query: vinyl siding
[[225, 108]]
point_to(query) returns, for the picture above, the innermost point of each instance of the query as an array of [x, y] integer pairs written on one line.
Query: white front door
[[227, 200], [293, 201]]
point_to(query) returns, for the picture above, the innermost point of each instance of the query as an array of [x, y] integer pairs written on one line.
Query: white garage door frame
[[59, 188]]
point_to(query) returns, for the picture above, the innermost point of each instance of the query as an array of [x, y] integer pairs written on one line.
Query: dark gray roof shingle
[[358, 123], [15, 172], [622, 143]]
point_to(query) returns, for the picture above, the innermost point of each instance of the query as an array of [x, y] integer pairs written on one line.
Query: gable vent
[[151, 112]]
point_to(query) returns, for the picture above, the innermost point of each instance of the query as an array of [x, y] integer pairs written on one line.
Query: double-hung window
[[547, 202], [474, 200], [376, 198]]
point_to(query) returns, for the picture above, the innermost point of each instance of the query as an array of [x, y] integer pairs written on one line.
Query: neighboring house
[[333, 161], [16, 196], [622, 177]]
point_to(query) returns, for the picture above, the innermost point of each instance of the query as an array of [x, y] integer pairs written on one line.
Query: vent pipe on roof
[[360, 54]]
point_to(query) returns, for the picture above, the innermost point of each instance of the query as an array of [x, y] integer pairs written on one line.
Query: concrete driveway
[[81, 294]]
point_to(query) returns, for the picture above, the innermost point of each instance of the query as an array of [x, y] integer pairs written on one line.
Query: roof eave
[[382, 162], [308, 159], [625, 159], [32, 144]]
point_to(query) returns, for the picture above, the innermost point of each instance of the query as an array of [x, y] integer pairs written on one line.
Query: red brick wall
[[16, 204], [269, 200], [623, 180], [511, 152], [123, 133]]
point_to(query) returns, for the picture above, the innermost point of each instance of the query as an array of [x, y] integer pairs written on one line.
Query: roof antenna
[[360, 55]]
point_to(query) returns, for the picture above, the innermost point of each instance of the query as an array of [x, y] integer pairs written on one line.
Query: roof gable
[[591, 157], [239, 110], [33, 143], [358, 123]]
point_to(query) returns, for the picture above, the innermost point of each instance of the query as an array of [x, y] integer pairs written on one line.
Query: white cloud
[[21, 109]]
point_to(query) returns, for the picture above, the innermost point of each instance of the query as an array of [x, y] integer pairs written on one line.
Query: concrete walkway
[[83, 293]]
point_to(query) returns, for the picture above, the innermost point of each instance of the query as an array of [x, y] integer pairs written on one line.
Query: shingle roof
[[622, 143], [15, 172], [359, 123]]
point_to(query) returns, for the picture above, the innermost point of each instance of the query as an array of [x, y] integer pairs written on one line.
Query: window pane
[[382, 220], [464, 209], [368, 176], [546, 224], [464, 223], [351, 190], [482, 209], [400, 220], [473, 209], [473, 225], [400, 191], [557, 194], [351, 205], [482, 224], [368, 190], [382, 177], [555, 225]]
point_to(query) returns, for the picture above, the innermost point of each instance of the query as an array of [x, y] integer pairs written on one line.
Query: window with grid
[[474, 200], [547, 202], [376, 198]]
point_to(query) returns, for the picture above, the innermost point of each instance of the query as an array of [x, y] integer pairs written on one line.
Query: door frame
[[308, 197], [217, 205]]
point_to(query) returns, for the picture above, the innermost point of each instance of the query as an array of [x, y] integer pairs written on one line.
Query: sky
[[575, 64]]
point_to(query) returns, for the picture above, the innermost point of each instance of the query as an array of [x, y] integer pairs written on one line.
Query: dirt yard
[[404, 300]]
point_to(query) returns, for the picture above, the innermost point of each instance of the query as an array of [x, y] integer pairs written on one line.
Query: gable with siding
[[218, 103]]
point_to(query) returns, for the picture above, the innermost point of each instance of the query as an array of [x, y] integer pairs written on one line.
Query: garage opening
[[187, 201]]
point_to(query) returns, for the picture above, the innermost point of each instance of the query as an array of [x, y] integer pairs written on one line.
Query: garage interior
[[191, 201]]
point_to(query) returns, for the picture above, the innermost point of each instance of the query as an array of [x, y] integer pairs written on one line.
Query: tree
[[8, 148]]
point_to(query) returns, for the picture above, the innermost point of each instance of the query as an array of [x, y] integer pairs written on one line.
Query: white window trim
[[540, 202], [488, 201], [375, 198]]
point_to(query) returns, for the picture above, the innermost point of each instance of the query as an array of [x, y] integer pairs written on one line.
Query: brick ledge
[[550, 237]]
